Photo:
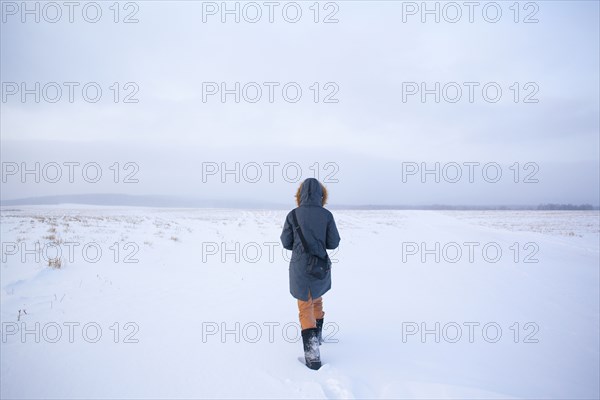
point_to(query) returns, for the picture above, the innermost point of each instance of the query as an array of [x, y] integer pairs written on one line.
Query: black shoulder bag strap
[[297, 228], [317, 267]]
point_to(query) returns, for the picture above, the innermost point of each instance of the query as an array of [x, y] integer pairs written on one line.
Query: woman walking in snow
[[309, 230]]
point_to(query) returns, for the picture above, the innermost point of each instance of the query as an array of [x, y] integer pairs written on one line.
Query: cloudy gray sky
[[541, 130]]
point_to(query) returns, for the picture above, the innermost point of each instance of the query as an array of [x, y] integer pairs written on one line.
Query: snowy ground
[[166, 309]]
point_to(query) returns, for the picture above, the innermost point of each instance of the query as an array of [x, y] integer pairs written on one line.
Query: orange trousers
[[310, 311]]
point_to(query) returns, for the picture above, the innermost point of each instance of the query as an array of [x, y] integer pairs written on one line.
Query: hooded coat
[[320, 233]]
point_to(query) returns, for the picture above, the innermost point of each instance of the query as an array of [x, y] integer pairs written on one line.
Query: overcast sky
[[376, 54]]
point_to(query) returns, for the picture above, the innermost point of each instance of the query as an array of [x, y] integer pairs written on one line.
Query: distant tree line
[[551, 206]]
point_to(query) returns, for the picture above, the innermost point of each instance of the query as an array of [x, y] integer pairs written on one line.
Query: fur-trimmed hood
[[311, 192]]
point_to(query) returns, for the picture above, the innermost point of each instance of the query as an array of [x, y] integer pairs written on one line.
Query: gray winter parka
[[320, 233]]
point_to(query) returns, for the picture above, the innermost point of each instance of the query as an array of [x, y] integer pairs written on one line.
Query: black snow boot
[[312, 355], [320, 330]]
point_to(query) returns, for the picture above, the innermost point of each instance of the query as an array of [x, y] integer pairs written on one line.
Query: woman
[[317, 226]]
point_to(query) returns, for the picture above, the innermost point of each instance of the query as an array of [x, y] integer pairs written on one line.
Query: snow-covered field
[[159, 303]]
